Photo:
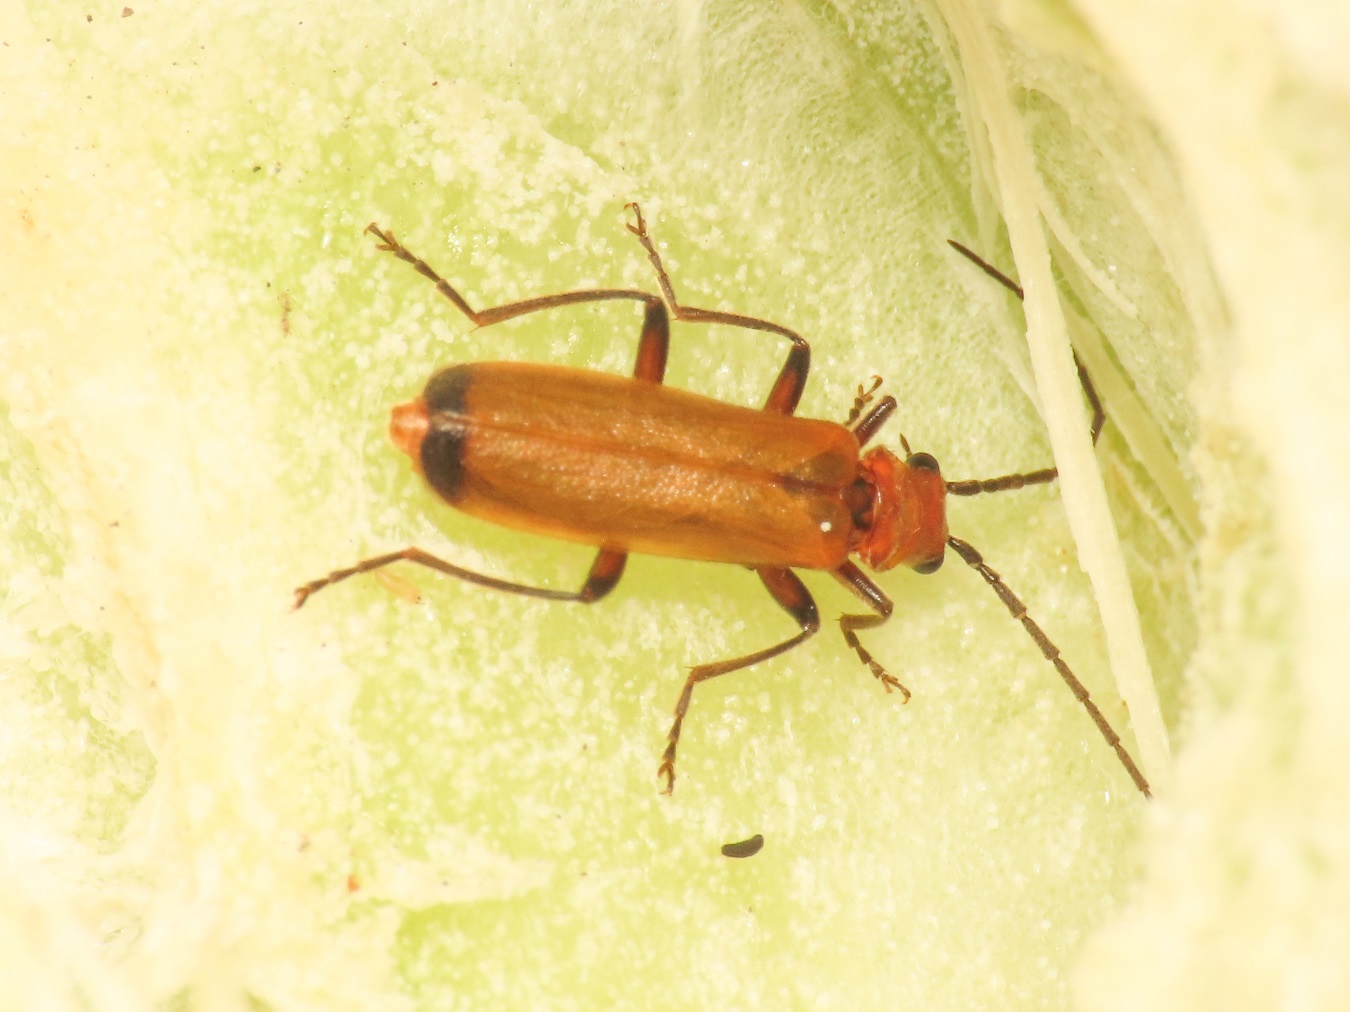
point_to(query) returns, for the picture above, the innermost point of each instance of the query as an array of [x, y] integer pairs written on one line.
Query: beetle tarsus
[[863, 398], [304, 593], [667, 767], [888, 681]]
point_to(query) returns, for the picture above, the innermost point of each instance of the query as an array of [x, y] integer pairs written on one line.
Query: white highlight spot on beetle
[[826, 527]]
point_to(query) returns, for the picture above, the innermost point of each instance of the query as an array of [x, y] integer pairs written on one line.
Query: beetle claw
[[640, 229], [889, 682], [667, 770], [387, 241]]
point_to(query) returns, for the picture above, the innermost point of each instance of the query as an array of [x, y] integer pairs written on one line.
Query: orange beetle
[[629, 465]]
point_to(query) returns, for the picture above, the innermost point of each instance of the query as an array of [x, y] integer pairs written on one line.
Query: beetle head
[[909, 512]]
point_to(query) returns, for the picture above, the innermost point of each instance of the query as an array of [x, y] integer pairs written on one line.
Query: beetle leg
[[653, 345], [602, 578], [487, 317], [855, 580], [874, 419], [791, 594], [791, 381]]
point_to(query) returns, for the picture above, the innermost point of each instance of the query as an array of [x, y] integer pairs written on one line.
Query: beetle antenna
[[987, 267], [1018, 611], [1045, 475], [1008, 482]]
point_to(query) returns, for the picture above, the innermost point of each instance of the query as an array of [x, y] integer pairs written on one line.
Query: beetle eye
[[931, 566], [922, 461]]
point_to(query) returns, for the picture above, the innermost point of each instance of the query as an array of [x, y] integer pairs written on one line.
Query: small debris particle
[[744, 848]]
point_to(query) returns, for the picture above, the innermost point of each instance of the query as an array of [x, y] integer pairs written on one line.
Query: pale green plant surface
[[212, 801]]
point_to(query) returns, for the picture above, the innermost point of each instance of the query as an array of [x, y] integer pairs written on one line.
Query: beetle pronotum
[[630, 465]]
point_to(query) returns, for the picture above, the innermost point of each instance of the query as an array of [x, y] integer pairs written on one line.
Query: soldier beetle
[[630, 465]]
